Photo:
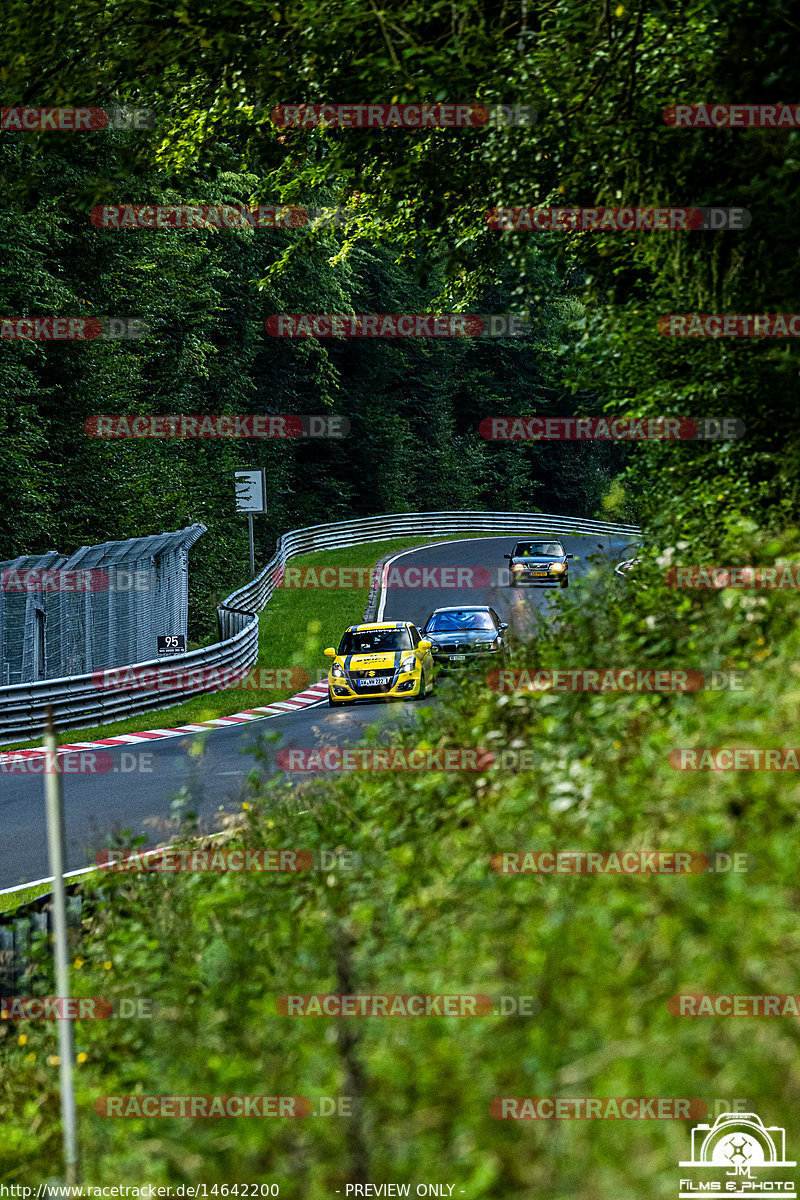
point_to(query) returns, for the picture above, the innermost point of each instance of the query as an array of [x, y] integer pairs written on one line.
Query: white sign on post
[[251, 497], [251, 491]]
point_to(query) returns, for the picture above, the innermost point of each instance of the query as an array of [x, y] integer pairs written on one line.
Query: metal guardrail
[[339, 534], [82, 700], [25, 940], [79, 701], [623, 569]]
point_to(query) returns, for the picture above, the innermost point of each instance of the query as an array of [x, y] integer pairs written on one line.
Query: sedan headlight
[[518, 566], [408, 664], [337, 670], [484, 646], [557, 567]]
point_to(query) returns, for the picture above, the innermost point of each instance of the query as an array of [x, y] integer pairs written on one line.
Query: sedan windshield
[[537, 549], [375, 641], [447, 622]]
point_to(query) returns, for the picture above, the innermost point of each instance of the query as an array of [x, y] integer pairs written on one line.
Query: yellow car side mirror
[[330, 652], [424, 644]]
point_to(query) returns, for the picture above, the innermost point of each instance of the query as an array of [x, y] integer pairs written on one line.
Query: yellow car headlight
[[337, 670], [409, 664]]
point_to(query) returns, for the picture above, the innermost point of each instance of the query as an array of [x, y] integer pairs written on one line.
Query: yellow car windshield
[[375, 641]]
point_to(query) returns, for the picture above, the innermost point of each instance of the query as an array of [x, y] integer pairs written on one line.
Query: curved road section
[[138, 783]]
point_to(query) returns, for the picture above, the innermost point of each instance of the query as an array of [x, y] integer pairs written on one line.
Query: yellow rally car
[[390, 660]]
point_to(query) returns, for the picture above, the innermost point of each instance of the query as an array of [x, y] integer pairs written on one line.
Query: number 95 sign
[[172, 643]]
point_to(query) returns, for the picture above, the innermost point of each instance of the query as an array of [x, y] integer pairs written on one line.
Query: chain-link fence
[[105, 606]]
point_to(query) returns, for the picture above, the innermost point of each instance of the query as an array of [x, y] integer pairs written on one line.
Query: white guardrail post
[[80, 701]]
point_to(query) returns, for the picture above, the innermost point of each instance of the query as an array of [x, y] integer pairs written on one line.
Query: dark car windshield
[[446, 622], [375, 641], [535, 549]]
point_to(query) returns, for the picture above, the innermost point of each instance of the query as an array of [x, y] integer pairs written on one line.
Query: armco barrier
[[25, 959], [625, 568], [77, 702]]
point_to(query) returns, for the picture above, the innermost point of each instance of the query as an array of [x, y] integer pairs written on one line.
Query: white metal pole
[[252, 547], [55, 841]]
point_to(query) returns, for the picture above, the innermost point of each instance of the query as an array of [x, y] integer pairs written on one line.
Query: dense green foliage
[[601, 956], [423, 912], [600, 78], [414, 405]]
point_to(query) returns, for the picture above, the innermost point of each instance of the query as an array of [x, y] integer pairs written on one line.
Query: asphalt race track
[[131, 796]]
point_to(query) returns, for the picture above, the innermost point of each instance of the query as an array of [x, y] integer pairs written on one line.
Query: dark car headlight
[[484, 646]]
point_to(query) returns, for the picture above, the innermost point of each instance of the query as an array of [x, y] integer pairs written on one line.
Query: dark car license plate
[[539, 574], [458, 658]]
